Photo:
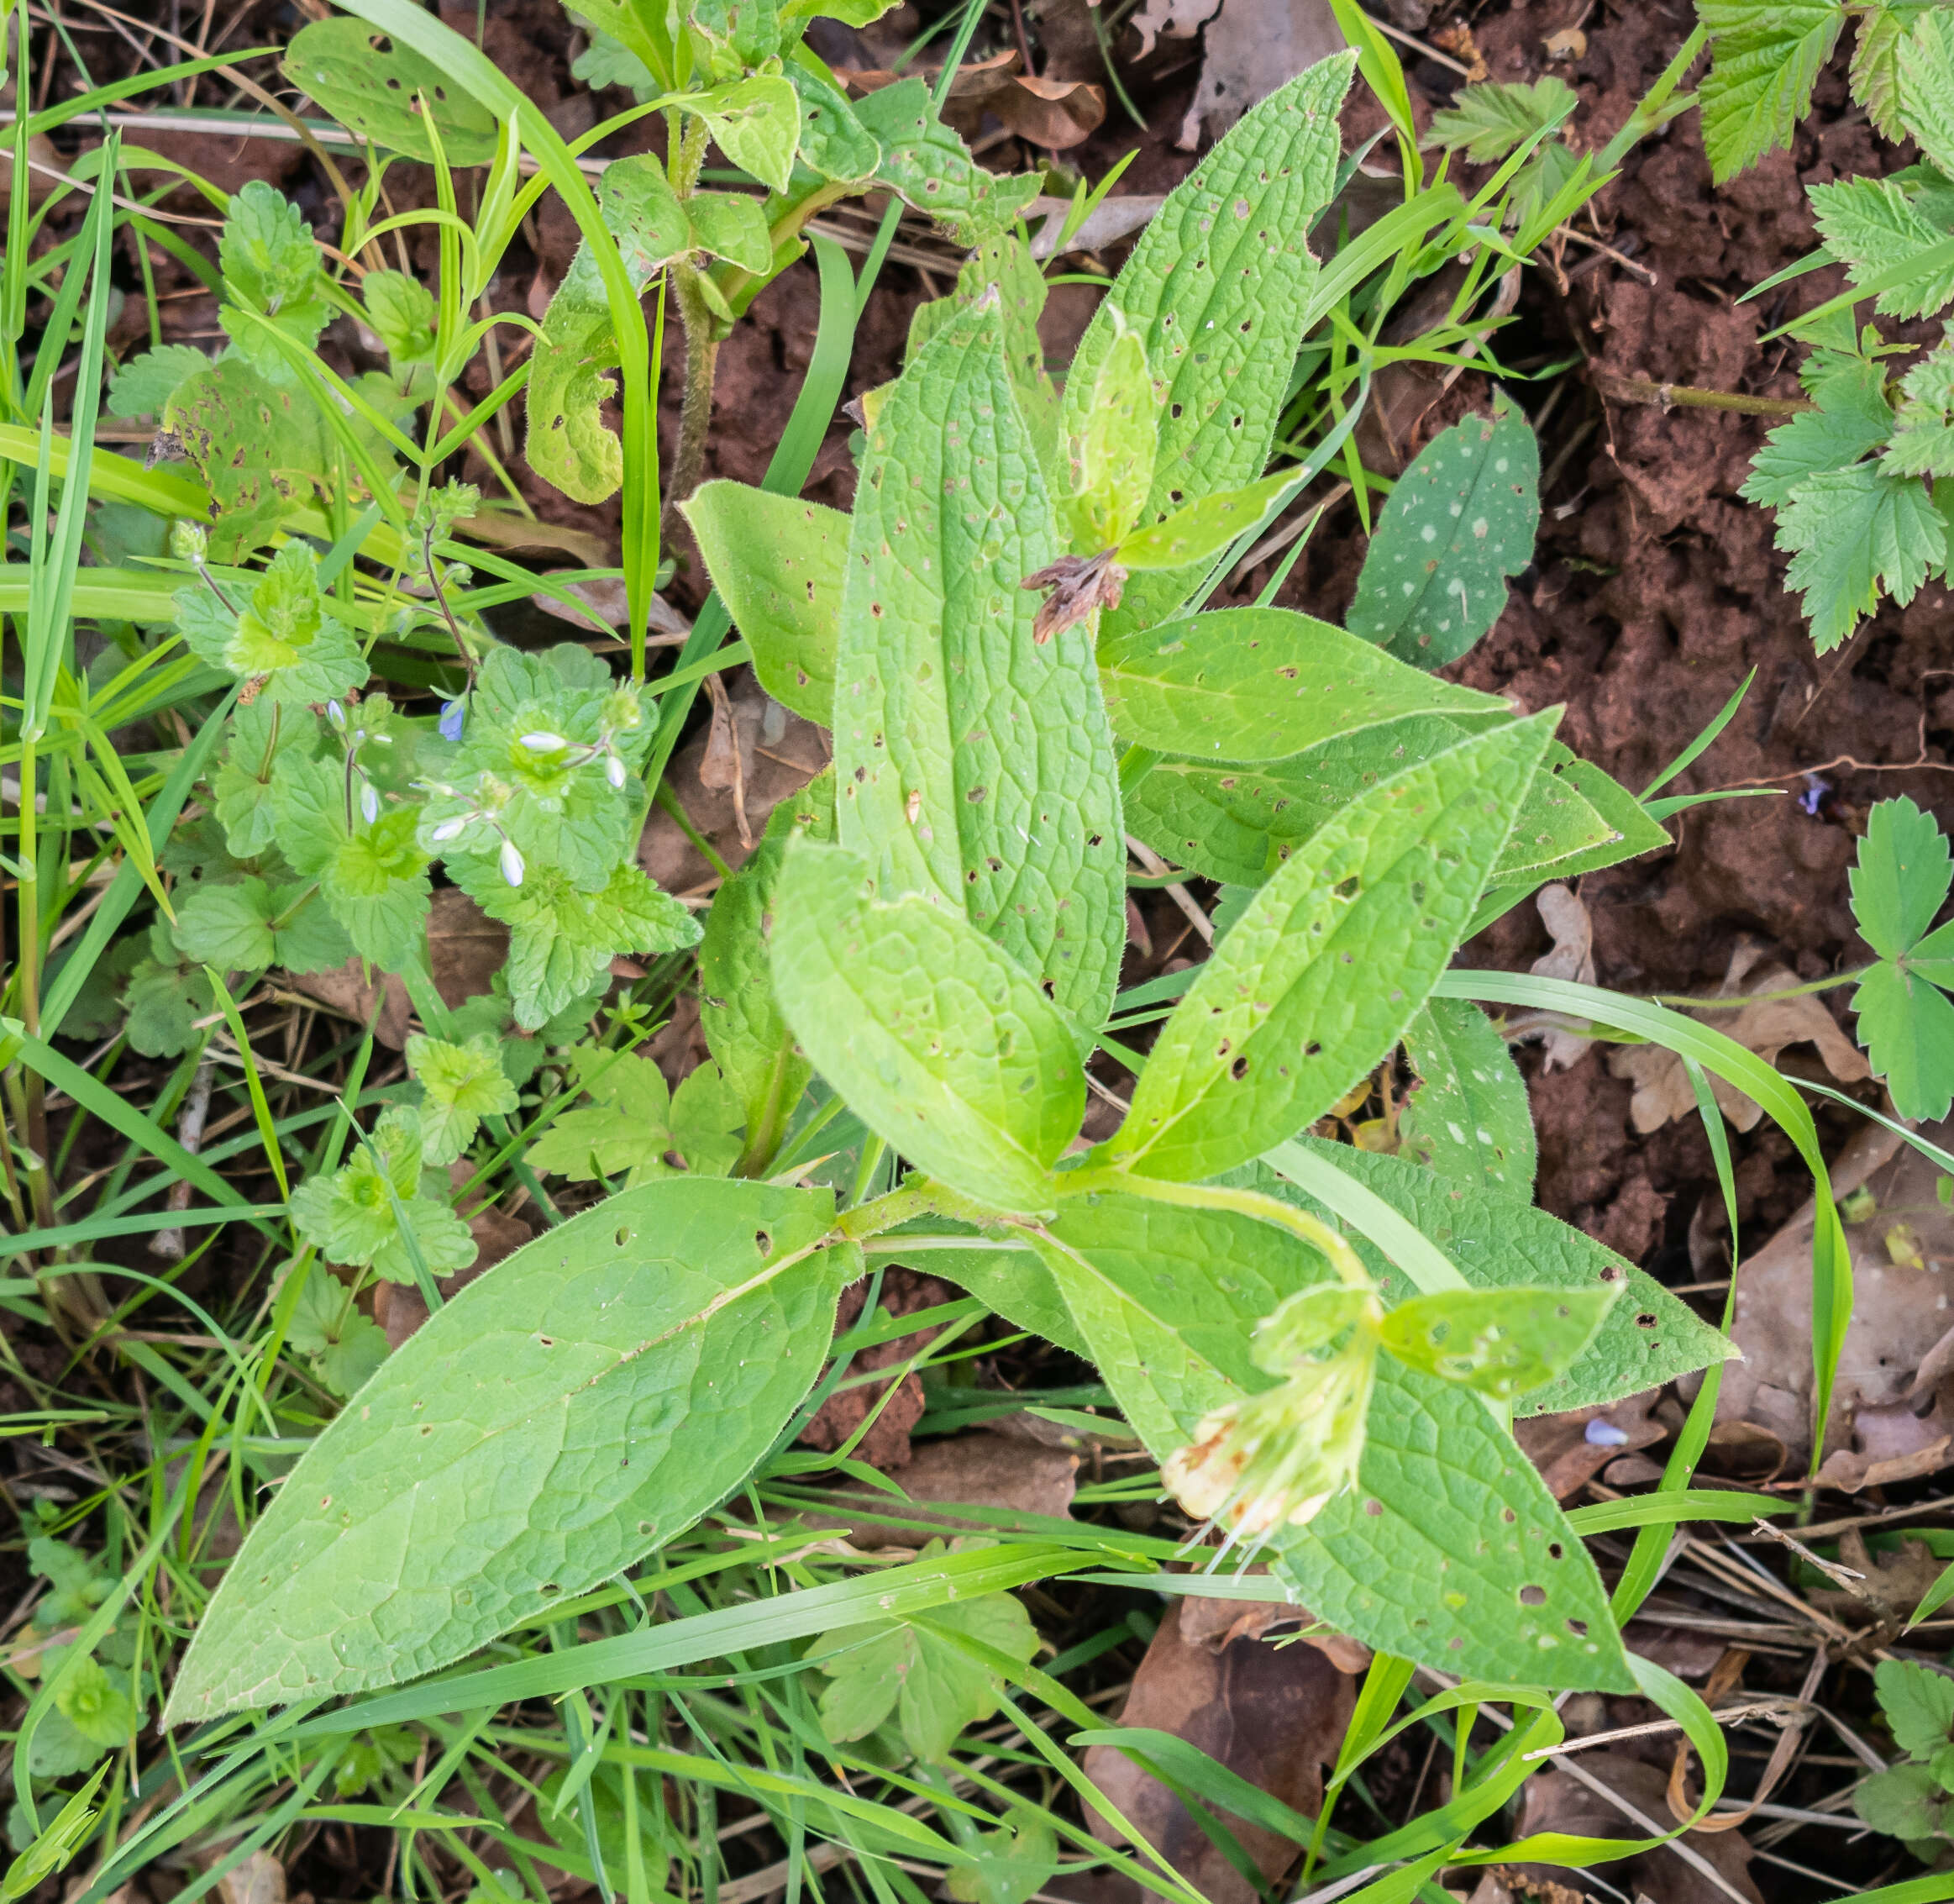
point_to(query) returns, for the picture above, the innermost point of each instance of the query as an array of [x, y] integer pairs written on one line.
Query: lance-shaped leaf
[[778, 563], [1219, 287], [1461, 520], [1320, 974], [970, 759], [1468, 1116], [940, 1042], [1261, 684], [588, 1398], [1450, 1550]]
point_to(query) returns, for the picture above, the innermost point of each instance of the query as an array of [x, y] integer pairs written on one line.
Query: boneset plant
[[932, 930]]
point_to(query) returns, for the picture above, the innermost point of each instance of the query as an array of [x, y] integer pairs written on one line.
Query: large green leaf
[[777, 562], [970, 759], [1468, 1116], [387, 92], [588, 1398], [1497, 1241], [1461, 520], [1261, 684], [747, 1034], [1319, 977], [1218, 288], [1436, 1554], [939, 1041]]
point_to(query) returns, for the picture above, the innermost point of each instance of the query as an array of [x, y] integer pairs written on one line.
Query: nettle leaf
[[1450, 1550], [589, 1397], [1765, 58], [1488, 121], [1261, 684], [744, 1029], [1899, 880], [1855, 534], [1871, 226], [460, 1085], [562, 938], [1925, 63], [1468, 1116], [755, 122], [637, 1128], [1320, 976], [278, 632], [939, 1041], [778, 562], [1498, 1342], [1497, 1241], [1461, 520], [1218, 288], [387, 92], [971, 758], [144, 384], [370, 1211], [344, 1346], [909, 1670], [373, 873], [926, 166], [271, 266]]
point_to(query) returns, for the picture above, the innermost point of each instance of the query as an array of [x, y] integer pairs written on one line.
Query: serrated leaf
[[1218, 287], [460, 1085], [1261, 684], [1923, 438], [1489, 120], [401, 311], [589, 1397], [90, 1699], [1906, 1025], [1907, 1802], [370, 1212], [241, 785], [1852, 419], [1926, 62], [1857, 534], [1469, 1115], [144, 384], [1875, 70], [376, 86], [926, 166], [271, 266], [1319, 977], [1461, 520], [226, 926], [1498, 1342], [1765, 58], [744, 1029], [939, 1040], [1870, 226], [344, 1346], [1918, 1704], [778, 562], [908, 1668], [1900, 876], [373, 874], [971, 759], [1495, 1241], [1405, 1560]]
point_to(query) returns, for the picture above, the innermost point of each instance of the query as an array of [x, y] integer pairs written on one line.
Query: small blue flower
[[454, 713]]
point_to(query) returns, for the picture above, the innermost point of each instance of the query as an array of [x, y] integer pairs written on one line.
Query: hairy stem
[[1689, 395], [702, 334]]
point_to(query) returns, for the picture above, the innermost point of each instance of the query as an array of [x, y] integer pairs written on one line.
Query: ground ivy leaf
[[1261, 684], [241, 785], [1856, 534], [1218, 287], [400, 312], [1468, 1116], [588, 1398], [1461, 520], [909, 1668], [1907, 1802], [226, 926], [1918, 1704], [1320, 976], [144, 384], [344, 1345], [939, 1041], [1765, 58], [971, 758], [364, 1213], [279, 629], [97, 1703], [460, 1085], [778, 562]]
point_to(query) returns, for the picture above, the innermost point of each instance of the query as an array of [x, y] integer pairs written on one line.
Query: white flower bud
[[511, 863], [369, 802], [544, 743], [448, 830], [614, 772], [336, 715]]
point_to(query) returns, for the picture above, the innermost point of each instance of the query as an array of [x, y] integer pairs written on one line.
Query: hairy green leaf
[[385, 92], [1261, 684], [592, 1396], [833, 139], [1765, 58], [1488, 121], [1320, 976], [755, 122], [971, 758], [939, 1041], [1855, 534], [1872, 227], [732, 226], [1460, 521], [1926, 62], [1497, 1342], [1468, 1116], [460, 1085], [926, 164], [778, 562]]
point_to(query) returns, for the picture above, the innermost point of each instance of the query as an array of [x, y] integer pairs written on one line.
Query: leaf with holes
[[1318, 978], [970, 759], [1495, 1241], [1261, 684], [1468, 1116], [1496, 1342], [589, 1396], [1461, 520], [778, 562], [387, 92], [926, 166], [1218, 288], [939, 1040]]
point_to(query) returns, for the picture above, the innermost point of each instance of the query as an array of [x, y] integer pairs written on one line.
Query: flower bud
[[336, 715], [448, 830], [369, 802], [544, 743], [614, 772], [511, 863], [453, 715]]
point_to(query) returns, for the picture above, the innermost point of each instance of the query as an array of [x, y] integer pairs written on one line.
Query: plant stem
[[701, 328], [1641, 390], [1737, 1004], [886, 1212]]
